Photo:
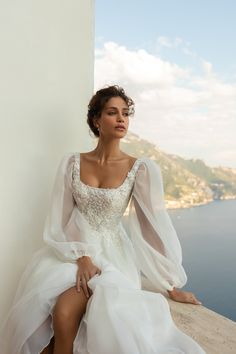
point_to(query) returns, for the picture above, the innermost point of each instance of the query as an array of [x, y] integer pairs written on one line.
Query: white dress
[[121, 316]]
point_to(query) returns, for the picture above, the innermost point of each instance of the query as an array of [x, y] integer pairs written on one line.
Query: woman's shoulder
[[131, 159], [69, 158], [146, 164], [147, 160], [71, 155], [136, 158]]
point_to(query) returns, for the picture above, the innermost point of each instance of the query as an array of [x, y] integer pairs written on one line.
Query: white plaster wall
[[46, 80]]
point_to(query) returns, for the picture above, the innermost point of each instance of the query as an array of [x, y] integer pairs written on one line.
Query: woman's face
[[114, 119]]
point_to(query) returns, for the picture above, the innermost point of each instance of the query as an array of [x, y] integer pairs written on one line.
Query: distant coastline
[[181, 204], [186, 182]]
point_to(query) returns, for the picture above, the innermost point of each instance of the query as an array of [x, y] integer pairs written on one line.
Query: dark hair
[[98, 101]]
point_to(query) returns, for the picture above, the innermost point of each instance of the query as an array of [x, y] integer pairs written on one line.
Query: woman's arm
[[66, 230], [156, 244]]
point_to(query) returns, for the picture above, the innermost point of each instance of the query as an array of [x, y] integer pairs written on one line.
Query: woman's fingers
[[98, 271], [81, 282], [184, 296], [195, 300], [85, 287], [88, 276], [78, 284], [83, 278], [191, 298]]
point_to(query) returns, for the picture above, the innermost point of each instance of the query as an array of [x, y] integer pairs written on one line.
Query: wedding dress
[[121, 316]]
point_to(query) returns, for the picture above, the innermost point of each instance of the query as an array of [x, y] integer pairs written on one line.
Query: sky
[[176, 59]]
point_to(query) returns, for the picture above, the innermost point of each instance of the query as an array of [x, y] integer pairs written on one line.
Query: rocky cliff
[[187, 182]]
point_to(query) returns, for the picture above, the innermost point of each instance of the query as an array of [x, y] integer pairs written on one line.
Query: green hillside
[[186, 182]]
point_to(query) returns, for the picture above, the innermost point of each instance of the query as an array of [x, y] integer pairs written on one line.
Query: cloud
[[177, 43], [138, 67], [189, 52], [207, 67], [181, 112], [168, 42]]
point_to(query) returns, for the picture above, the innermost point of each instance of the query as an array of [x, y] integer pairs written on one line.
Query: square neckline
[[101, 188]]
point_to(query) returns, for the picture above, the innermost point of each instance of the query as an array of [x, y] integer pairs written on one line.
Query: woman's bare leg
[[67, 314]]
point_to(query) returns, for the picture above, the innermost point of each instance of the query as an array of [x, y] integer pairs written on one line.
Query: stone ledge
[[215, 333]]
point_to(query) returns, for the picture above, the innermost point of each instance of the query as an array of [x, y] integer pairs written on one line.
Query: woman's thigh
[[66, 314], [70, 307]]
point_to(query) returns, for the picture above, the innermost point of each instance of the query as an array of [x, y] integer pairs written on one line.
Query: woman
[[83, 292]]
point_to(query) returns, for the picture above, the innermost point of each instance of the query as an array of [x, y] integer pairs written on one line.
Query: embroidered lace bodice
[[102, 207]]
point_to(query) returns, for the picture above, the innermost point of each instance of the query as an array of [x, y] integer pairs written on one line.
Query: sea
[[207, 234]]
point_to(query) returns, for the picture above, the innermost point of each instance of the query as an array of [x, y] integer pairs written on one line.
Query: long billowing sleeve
[[66, 231], [157, 247]]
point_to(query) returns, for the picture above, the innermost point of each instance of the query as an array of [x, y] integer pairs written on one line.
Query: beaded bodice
[[102, 207]]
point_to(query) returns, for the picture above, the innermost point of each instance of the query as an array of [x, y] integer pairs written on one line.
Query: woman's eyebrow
[[125, 108]]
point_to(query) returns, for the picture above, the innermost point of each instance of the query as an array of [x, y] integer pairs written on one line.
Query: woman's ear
[[95, 123]]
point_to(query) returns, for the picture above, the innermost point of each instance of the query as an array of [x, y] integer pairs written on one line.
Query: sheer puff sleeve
[[66, 231], [157, 247]]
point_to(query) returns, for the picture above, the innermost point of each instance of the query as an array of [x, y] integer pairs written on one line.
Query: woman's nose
[[120, 116]]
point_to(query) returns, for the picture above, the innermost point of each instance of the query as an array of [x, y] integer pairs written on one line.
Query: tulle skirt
[[120, 317]]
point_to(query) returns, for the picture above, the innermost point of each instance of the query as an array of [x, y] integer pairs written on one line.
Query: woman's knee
[[69, 309], [62, 317]]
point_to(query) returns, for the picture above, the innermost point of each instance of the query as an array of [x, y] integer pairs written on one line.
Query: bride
[[106, 233]]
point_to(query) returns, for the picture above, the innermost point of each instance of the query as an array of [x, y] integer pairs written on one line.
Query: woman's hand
[[86, 271], [183, 296]]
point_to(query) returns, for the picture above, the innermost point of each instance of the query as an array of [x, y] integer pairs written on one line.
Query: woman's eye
[[110, 113]]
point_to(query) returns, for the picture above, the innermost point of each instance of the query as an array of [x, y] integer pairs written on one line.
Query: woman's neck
[[107, 150]]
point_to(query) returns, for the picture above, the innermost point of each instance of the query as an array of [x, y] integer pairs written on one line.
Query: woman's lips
[[120, 128]]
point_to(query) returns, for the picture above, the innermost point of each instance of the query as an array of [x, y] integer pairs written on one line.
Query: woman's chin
[[121, 134], [121, 131]]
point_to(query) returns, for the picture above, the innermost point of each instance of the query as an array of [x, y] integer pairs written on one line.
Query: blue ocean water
[[207, 234]]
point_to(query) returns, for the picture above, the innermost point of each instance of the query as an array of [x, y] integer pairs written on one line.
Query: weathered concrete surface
[[215, 333]]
